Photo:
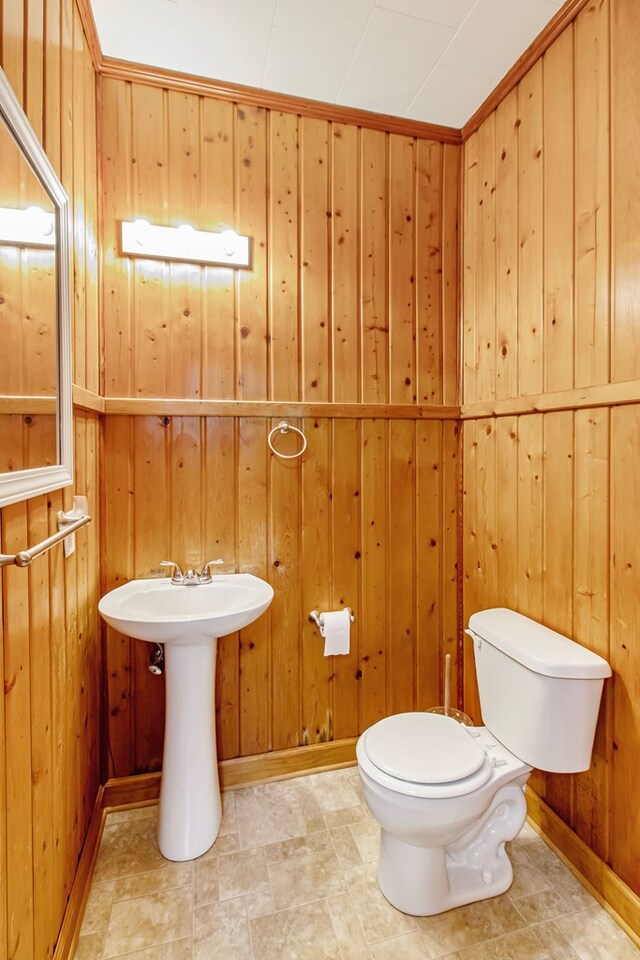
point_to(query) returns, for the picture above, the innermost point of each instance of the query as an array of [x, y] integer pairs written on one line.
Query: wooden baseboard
[[72, 921], [144, 788], [605, 885]]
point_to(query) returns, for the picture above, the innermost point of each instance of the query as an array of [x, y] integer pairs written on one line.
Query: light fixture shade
[[32, 227], [226, 249]]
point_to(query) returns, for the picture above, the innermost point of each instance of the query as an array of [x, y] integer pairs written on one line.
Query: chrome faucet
[[190, 578]]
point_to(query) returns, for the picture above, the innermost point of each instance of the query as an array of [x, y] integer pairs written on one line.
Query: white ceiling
[[431, 60]]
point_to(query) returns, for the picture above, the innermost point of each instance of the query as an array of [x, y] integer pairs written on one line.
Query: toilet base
[[423, 881]]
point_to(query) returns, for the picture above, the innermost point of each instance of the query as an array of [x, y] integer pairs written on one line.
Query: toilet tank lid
[[537, 647]]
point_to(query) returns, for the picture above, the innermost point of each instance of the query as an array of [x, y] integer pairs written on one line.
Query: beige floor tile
[[298, 847], [526, 835], [230, 843], [98, 909], [148, 921], [221, 932], [361, 873], [303, 933], [345, 815], [299, 881], [229, 822], [334, 790], [545, 905], [554, 942], [268, 813], [89, 947], [206, 881], [505, 911], [309, 807], [346, 848], [379, 920], [176, 950], [277, 874], [244, 872], [521, 945], [170, 875], [127, 848], [594, 936], [410, 946], [367, 837], [259, 904], [464, 927], [347, 928], [527, 878]]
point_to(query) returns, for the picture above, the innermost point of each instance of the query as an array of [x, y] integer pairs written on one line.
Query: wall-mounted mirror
[[35, 341]]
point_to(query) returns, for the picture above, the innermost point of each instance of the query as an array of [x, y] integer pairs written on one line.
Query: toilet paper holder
[[316, 617]]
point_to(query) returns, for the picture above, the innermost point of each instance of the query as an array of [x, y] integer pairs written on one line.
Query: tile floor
[[292, 876]]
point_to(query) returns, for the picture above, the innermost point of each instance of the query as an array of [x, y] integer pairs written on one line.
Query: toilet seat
[[425, 755], [423, 748]]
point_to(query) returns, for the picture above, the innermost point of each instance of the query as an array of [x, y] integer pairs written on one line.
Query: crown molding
[[267, 99]]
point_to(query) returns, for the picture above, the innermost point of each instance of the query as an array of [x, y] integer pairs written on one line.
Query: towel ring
[[283, 427]]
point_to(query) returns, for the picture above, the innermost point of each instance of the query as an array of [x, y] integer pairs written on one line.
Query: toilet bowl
[[448, 797]]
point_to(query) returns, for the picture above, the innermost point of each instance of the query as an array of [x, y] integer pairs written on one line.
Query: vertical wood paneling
[[507, 246], [284, 257], [401, 284], [345, 251], [352, 294], [592, 199], [624, 626], [375, 324], [251, 205], [317, 324], [566, 482], [50, 655], [366, 520], [559, 217], [625, 186], [530, 219]]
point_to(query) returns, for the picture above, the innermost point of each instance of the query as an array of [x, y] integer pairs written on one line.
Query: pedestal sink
[[187, 620]]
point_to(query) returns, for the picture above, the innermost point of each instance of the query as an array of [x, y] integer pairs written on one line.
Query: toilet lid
[[423, 748]]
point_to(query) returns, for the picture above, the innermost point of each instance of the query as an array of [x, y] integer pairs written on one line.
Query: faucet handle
[[205, 573], [177, 576]]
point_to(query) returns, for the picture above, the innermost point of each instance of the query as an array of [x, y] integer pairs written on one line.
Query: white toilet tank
[[539, 691]]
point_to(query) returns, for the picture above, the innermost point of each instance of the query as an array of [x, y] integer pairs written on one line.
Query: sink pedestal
[[190, 806]]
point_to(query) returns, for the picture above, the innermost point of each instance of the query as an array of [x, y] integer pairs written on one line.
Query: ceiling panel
[[391, 61], [431, 60]]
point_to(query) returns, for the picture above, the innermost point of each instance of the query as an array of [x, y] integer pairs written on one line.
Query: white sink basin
[[187, 620], [163, 612]]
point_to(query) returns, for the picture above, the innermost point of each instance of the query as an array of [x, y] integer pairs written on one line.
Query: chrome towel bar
[[68, 525]]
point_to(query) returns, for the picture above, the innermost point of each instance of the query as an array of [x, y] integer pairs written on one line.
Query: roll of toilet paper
[[336, 630]]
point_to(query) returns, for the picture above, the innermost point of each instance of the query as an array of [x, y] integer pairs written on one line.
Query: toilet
[[448, 797]]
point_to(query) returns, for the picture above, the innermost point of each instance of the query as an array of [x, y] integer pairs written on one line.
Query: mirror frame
[[22, 484]]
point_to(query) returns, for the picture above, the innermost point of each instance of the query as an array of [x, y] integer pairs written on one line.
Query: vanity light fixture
[[32, 227], [143, 239]]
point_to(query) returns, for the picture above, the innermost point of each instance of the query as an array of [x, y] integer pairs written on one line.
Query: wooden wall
[[551, 299], [351, 299], [49, 641]]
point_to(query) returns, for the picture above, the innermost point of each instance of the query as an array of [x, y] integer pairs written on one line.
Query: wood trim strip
[[27, 405], [254, 96], [84, 399], [266, 408], [604, 395], [605, 885], [90, 32], [87, 400], [261, 768], [72, 921], [565, 15]]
